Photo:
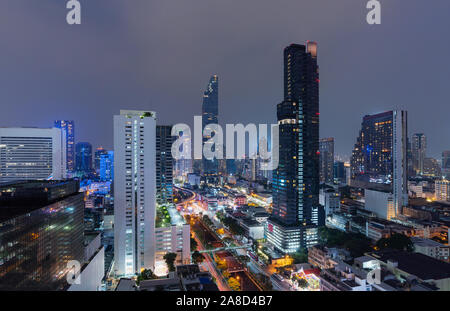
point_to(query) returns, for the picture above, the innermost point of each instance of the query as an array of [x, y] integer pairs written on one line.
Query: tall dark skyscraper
[[68, 128], [83, 158], [210, 111], [326, 149], [295, 216], [164, 164], [98, 153], [419, 150]]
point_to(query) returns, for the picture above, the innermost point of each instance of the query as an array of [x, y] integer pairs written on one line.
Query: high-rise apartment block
[[164, 164], [418, 150], [326, 149], [134, 191], [68, 128]]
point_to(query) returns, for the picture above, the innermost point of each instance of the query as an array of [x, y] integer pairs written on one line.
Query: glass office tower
[[41, 230], [210, 111]]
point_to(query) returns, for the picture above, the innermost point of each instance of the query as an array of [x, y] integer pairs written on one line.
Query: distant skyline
[[160, 55]]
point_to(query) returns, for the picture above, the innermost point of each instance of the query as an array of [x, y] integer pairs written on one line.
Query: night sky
[[159, 54]]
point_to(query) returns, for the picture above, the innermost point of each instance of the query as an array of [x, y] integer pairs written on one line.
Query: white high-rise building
[[32, 154], [134, 191]]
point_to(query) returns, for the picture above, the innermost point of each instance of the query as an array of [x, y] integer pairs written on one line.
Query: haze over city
[[159, 56]]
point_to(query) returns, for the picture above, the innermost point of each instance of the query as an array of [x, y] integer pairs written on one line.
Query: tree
[[300, 256], [197, 257], [243, 259], [146, 274], [264, 281], [170, 260], [302, 283], [396, 241], [221, 264], [234, 284], [194, 244]]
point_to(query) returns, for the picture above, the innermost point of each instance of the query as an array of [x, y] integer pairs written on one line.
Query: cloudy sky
[[159, 54]]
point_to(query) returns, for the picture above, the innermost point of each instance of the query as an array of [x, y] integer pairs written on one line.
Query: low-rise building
[[319, 256], [413, 268], [431, 248]]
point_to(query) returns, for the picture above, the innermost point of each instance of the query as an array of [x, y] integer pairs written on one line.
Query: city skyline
[[348, 51]]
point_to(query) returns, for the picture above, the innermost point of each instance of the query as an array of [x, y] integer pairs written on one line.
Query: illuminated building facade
[[68, 128], [326, 149], [97, 155], [41, 230], [379, 158], [164, 164], [210, 111], [32, 154], [442, 190], [295, 183], [83, 158], [418, 149], [134, 191], [106, 172]]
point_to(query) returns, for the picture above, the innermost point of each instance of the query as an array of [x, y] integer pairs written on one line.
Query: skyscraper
[[418, 149], [97, 155], [68, 129], [32, 154], [83, 158], [326, 149], [41, 231], [210, 111], [134, 191], [446, 164], [183, 166], [295, 217], [107, 166], [379, 158], [164, 164]]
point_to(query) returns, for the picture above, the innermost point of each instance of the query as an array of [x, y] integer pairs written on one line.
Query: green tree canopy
[[170, 260], [396, 241]]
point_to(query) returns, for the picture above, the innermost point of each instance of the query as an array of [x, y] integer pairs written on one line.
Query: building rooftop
[[426, 242], [422, 266], [24, 197]]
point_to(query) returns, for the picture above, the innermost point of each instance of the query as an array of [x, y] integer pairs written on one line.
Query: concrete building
[[172, 239], [32, 154], [164, 164], [318, 256], [185, 278], [134, 191], [326, 149], [431, 248], [379, 159], [442, 190], [93, 268], [330, 199], [381, 203], [414, 268]]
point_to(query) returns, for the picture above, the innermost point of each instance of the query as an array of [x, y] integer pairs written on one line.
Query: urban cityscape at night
[[224, 146]]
